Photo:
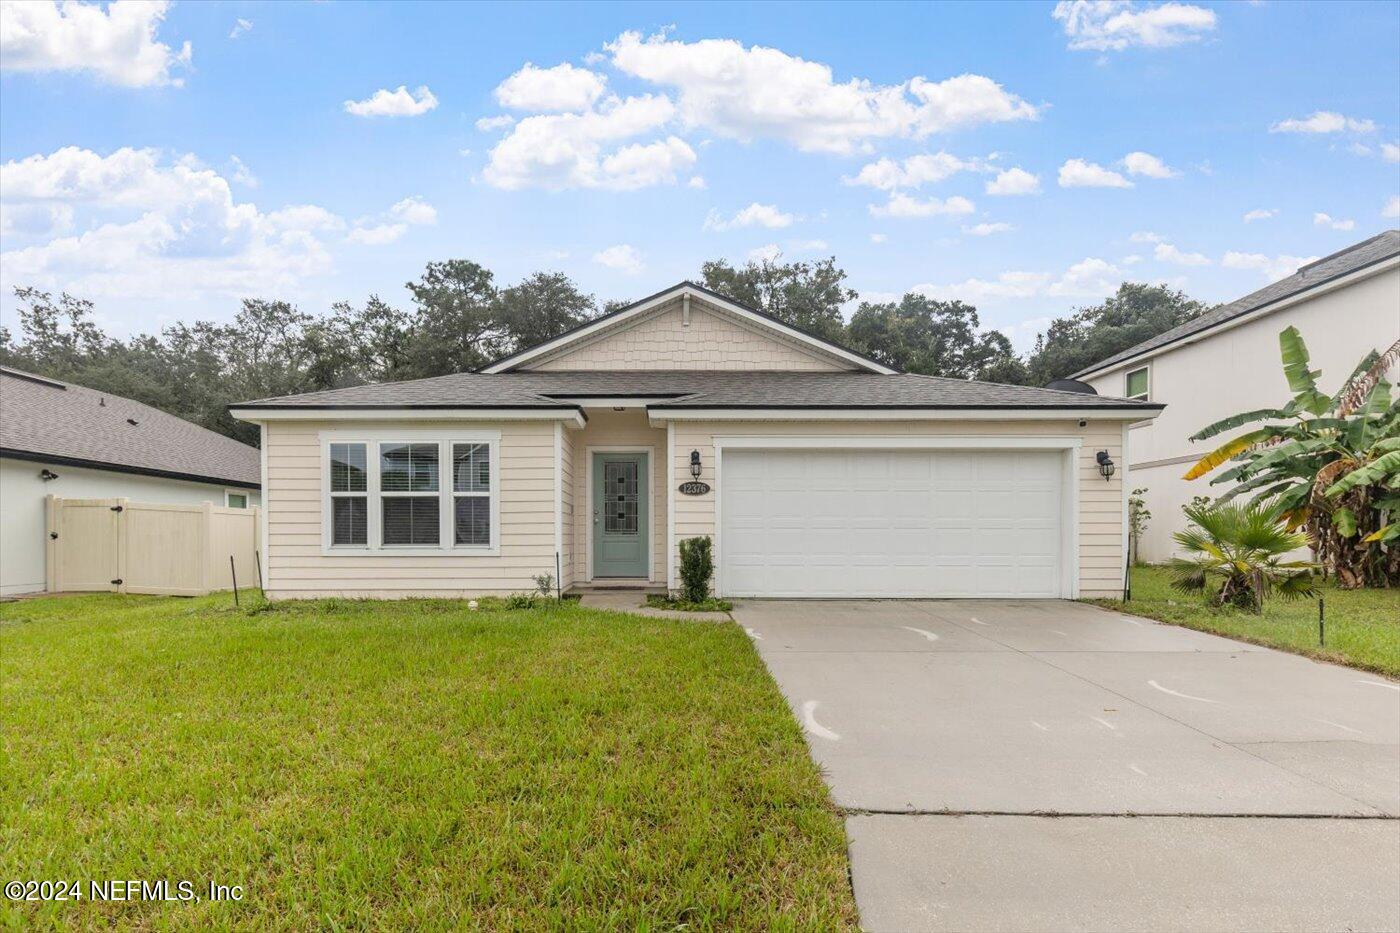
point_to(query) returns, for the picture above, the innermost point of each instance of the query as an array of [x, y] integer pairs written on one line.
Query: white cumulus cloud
[[584, 150], [1260, 213], [396, 103], [149, 226], [1148, 165], [1014, 181], [902, 205], [1077, 173], [758, 92], [1166, 252], [622, 258], [755, 215], [914, 172], [1325, 220], [1390, 152], [491, 124], [1273, 268], [117, 43], [987, 229], [769, 252], [241, 27], [1323, 121], [1089, 278], [414, 210], [562, 88], [1114, 25]]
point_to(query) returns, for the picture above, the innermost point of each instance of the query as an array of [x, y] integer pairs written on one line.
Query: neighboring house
[[61, 439], [1227, 361], [816, 472]]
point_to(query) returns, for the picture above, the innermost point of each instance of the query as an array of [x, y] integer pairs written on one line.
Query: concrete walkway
[[1196, 782]]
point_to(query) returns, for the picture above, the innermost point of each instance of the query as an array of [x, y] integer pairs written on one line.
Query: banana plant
[[1329, 463]]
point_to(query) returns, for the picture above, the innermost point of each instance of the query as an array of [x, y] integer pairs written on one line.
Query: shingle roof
[[1377, 249], [695, 389], [74, 424]]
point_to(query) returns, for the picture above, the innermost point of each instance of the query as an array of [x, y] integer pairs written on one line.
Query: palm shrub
[[1330, 463], [697, 566], [1241, 544]]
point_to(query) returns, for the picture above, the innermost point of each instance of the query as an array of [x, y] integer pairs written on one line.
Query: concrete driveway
[[989, 754]]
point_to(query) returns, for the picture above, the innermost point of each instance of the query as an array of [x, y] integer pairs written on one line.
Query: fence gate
[[84, 545], [147, 547]]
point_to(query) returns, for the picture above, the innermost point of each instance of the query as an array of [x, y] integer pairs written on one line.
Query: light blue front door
[[620, 532]]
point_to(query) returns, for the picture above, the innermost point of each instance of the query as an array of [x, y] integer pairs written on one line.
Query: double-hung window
[[349, 516], [420, 493], [410, 504], [471, 494]]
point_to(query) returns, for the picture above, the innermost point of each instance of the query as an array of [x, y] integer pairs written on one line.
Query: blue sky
[[166, 161]]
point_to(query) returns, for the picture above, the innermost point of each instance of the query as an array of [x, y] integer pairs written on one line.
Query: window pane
[[411, 520], [347, 467], [236, 500], [620, 497], [471, 468], [473, 520], [349, 520], [1137, 382], [408, 467]]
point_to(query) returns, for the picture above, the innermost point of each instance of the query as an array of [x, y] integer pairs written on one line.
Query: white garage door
[[870, 523]]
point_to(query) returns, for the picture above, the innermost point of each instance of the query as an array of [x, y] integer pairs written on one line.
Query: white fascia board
[[570, 417], [659, 417], [898, 442], [584, 333], [1281, 304]]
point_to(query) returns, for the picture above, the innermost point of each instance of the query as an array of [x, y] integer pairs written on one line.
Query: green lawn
[[1363, 626], [408, 765]]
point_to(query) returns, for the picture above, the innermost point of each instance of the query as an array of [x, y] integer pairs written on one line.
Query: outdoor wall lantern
[[695, 463], [1105, 464], [47, 474]]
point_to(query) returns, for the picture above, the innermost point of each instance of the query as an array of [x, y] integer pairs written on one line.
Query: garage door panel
[[866, 523]]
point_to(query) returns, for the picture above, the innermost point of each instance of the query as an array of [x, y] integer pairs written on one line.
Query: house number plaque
[[694, 488]]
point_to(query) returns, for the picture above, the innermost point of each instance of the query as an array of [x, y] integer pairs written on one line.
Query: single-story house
[[816, 471], [1227, 361], [64, 440]]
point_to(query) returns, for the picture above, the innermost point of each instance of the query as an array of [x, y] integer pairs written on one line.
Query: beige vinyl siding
[[712, 340], [298, 567], [619, 429], [568, 499], [1100, 501]]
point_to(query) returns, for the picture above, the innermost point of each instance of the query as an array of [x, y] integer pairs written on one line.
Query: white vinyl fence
[[145, 547]]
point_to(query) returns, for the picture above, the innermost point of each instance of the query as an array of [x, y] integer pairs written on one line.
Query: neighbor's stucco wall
[[1101, 502], [23, 522], [297, 567], [619, 429], [712, 340], [1240, 370]]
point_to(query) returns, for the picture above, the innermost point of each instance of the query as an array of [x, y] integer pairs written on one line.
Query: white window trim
[[374, 496], [247, 498], [1129, 373]]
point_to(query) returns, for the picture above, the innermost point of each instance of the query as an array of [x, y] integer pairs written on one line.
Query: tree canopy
[[459, 319], [1136, 313]]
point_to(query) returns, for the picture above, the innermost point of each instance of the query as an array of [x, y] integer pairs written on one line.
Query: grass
[[1363, 626], [708, 604], [407, 765]]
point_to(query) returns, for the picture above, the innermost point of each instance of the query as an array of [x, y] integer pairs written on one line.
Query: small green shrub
[[544, 584], [697, 566], [519, 601], [710, 604]]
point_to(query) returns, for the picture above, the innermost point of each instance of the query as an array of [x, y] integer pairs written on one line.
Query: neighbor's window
[[409, 493], [471, 494], [236, 500], [349, 495], [1137, 384]]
